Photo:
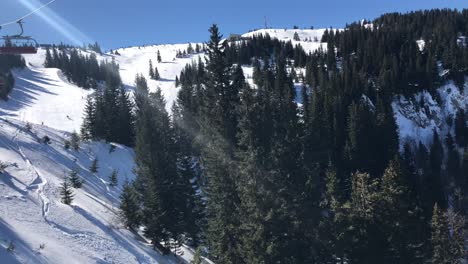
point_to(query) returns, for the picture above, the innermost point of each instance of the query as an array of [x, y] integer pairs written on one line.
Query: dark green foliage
[[461, 128], [95, 47], [113, 179], [94, 166], [129, 206], [164, 192], [83, 70], [156, 75], [7, 63], [75, 141], [324, 183], [109, 115], [75, 180], [66, 192], [151, 69], [159, 57], [448, 236]]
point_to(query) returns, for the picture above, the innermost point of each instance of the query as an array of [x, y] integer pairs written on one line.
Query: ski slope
[[309, 39], [32, 218], [43, 96], [42, 229], [135, 60]]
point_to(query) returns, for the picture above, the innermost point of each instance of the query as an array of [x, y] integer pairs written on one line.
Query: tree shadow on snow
[[131, 246], [7, 235]]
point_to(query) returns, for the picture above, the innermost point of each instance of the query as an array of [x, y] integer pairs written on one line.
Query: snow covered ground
[[417, 123], [309, 39], [41, 228], [43, 96]]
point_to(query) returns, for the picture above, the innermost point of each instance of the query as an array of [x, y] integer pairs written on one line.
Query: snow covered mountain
[[43, 103], [42, 229]]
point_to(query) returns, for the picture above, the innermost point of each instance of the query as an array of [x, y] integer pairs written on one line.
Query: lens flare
[[75, 36]]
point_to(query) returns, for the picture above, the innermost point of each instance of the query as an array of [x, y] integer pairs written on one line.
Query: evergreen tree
[[461, 129], [129, 206], [66, 192], [89, 121], [434, 175], [399, 217], [113, 180], [439, 237], [48, 63], [155, 168], [94, 166], [151, 70], [75, 141], [159, 57], [156, 74], [217, 145], [75, 180]]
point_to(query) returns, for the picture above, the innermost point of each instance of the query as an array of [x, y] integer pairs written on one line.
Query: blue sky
[[118, 23]]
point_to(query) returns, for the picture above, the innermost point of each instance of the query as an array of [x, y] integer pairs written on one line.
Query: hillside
[[44, 103], [42, 229]]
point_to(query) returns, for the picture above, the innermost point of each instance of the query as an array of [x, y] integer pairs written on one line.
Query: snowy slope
[[44, 96], [32, 215], [310, 39], [417, 123], [135, 60]]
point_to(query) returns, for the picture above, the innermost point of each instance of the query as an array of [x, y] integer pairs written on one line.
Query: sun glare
[[74, 35]]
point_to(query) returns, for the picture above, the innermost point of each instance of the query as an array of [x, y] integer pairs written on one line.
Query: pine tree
[[461, 129], [88, 128], [434, 175], [151, 70], [296, 37], [439, 236], [218, 142], [399, 216], [197, 257], [48, 59], [190, 48], [155, 167], [129, 206], [159, 57], [94, 166], [75, 180], [113, 180], [66, 192], [75, 141], [156, 74]]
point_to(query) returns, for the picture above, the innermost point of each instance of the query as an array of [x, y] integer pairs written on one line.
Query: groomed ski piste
[[32, 217]]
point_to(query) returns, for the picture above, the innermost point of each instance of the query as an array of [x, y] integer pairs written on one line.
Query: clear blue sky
[[119, 23]]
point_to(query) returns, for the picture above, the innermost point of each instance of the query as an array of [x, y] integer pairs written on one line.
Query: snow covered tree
[[66, 192]]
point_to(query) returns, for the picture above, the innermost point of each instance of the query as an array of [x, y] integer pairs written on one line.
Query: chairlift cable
[[19, 20]]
